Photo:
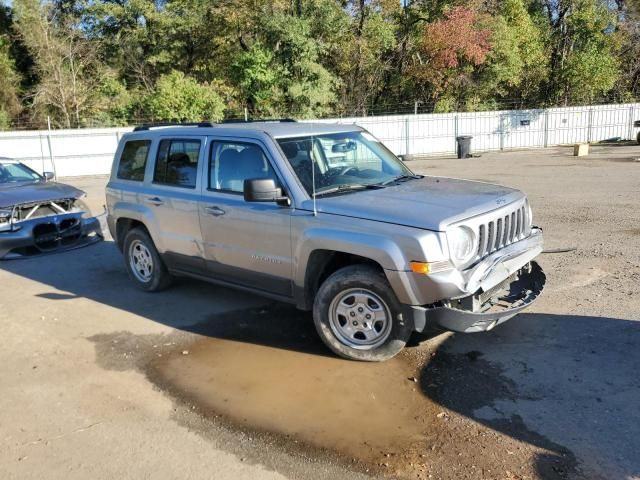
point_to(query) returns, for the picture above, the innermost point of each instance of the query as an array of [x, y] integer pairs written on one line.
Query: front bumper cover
[[485, 310], [50, 234]]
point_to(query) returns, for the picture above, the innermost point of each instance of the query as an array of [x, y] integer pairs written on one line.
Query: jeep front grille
[[500, 232]]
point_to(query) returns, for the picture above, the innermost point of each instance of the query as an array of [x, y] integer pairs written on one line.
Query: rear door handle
[[155, 200], [215, 211]]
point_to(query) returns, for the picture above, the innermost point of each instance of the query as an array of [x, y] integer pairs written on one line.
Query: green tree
[[67, 66], [177, 97], [9, 86], [518, 62], [584, 61]]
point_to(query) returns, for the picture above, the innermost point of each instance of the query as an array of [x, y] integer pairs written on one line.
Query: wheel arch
[[124, 225], [324, 252]]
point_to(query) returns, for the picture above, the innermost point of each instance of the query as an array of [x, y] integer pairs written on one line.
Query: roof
[[274, 129]]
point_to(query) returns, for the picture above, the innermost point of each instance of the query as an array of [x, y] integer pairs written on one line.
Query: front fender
[[377, 248]]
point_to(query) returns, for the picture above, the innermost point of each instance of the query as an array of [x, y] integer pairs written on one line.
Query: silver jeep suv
[[327, 218]]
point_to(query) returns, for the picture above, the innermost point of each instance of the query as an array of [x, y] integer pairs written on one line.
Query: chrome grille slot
[[513, 227], [490, 238], [498, 234], [482, 241], [507, 228]]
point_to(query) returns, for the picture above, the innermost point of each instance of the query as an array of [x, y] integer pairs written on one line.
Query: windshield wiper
[[350, 187], [401, 178]]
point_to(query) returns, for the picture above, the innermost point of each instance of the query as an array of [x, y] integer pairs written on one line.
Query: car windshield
[[16, 172], [342, 162]]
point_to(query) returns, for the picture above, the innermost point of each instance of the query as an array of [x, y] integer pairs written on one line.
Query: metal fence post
[[456, 132], [631, 120], [53, 162], [546, 128], [407, 140], [589, 124]]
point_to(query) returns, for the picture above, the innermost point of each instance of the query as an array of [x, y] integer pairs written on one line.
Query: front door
[[245, 243]]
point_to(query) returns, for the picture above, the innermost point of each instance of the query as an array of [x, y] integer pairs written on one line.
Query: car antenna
[[313, 177]]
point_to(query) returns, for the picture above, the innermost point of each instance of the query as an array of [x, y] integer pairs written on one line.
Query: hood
[[431, 203], [18, 193]]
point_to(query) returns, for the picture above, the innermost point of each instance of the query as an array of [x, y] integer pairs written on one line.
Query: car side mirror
[[263, 190], [48, 176]]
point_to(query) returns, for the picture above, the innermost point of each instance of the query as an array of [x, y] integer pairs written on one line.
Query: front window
[[350, 159], [232, 163], [16, 172]]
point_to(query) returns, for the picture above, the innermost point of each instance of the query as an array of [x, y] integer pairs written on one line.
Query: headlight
[[462, 245], [5, 220], [81, 205]]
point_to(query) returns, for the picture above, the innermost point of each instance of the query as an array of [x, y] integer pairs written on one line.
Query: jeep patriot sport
[[327, 218]]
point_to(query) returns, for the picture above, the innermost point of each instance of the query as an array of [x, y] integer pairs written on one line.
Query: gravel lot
[[99, 380]]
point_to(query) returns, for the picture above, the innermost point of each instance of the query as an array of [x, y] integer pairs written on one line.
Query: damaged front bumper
[[50, 234], [492, 292], [485, 310]]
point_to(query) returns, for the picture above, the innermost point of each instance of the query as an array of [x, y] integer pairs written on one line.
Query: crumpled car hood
[[430, 203], [18, 193]]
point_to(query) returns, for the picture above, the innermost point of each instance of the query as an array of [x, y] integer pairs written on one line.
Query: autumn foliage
[[450, 45]]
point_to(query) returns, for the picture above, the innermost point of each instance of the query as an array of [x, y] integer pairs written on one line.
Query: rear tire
[[143, 262], [358, 316]]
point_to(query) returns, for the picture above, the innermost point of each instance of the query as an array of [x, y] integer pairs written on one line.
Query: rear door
[[245, 243], [174, 197]]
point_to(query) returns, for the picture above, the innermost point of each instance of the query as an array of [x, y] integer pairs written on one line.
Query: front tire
[[143, 262], [358, 316]]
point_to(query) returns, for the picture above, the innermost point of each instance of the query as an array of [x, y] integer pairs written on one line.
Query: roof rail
[[149, 126], [258, 120]]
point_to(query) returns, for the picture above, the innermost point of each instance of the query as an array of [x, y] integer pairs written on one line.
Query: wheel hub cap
[[360, 319], [141, 261]]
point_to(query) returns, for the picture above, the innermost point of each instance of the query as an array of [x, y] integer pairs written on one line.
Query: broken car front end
[[34, 228]]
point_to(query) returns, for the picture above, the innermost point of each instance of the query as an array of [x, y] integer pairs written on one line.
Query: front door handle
[[155, 200], [215, 211]]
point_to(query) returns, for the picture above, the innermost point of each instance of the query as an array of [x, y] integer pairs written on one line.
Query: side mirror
[[48, 176], [263, 190]]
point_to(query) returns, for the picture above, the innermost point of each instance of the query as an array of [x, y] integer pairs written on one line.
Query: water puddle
[[265, 372], [353, 408]]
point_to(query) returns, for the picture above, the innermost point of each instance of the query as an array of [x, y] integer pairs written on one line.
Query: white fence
[[90, 151]]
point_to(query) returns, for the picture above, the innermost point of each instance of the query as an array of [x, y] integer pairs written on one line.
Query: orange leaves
[[456, 41]]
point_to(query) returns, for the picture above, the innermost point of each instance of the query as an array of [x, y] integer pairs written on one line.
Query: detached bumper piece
[[485, 310], [49, 234]]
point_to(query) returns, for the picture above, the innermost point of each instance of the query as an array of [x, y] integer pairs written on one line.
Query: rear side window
[[133, 160], [177, 163]]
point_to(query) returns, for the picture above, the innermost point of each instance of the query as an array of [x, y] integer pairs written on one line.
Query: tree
[[177, 97], [584, 64], [451, 50], [9, 86], [518, 61], [66, 64]]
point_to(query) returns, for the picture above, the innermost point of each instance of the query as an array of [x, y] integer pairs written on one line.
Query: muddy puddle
[[265, 372], [357, 409]]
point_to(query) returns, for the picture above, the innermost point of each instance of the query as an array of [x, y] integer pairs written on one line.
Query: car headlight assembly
[[82, 205], [5, 220], [463, 245]]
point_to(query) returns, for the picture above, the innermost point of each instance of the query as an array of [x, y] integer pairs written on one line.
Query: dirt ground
[[98, 380]]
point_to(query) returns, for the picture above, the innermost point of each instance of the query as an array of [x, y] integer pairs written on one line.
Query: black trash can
[[464, 146]]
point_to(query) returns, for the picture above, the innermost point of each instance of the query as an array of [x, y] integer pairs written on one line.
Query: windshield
[[16, 172], [350, 159]]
